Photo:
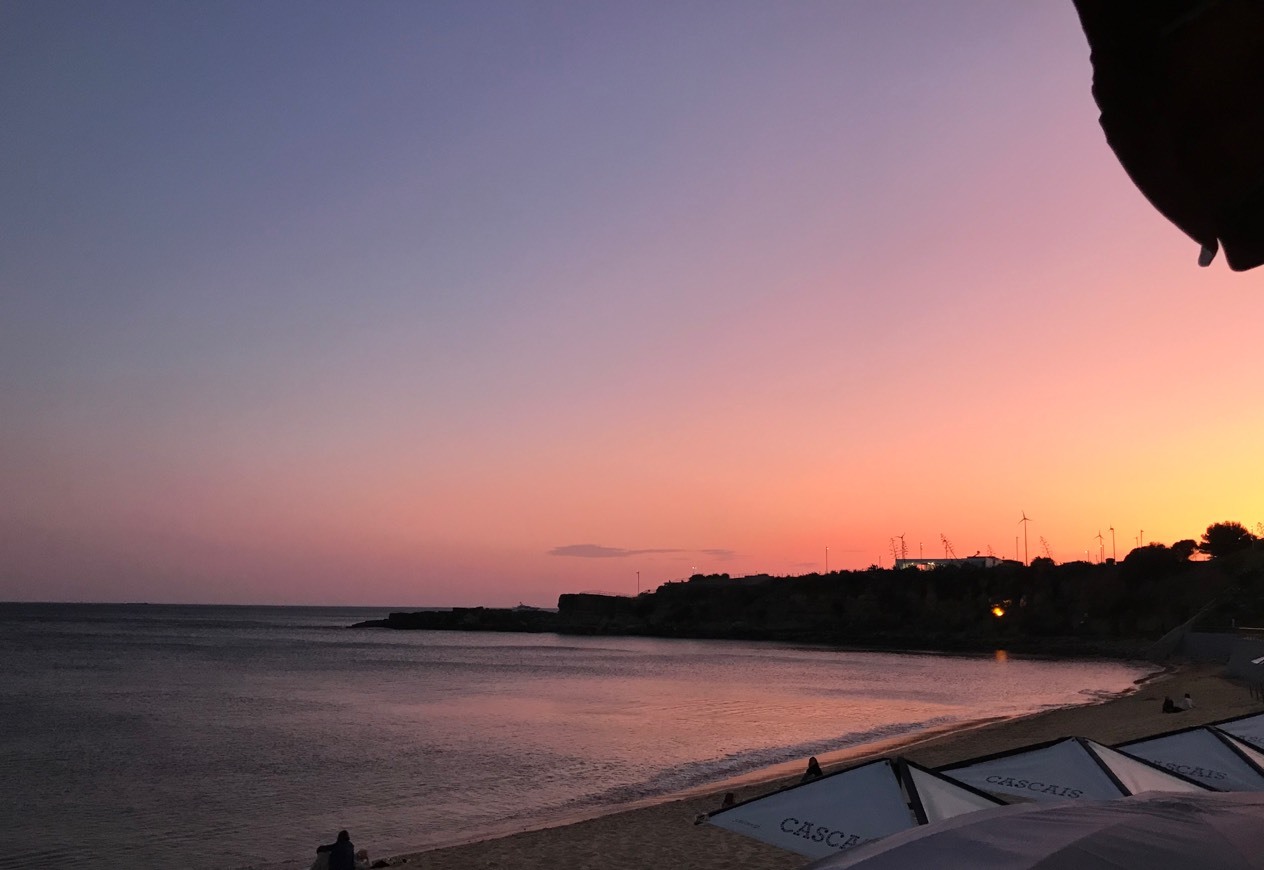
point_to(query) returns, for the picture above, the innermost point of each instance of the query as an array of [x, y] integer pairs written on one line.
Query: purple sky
[[458, 303]]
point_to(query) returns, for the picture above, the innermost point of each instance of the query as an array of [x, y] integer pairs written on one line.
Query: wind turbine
[[903, 548], [1113, 555], [1101, 546], [1023, 522]]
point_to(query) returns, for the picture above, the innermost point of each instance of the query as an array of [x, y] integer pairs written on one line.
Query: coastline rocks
[[468, 619]]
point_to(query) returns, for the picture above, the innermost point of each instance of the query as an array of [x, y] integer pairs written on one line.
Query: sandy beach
[[664, 835]]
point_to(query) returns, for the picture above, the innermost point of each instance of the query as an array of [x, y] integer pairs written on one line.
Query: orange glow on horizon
[[819, 305]]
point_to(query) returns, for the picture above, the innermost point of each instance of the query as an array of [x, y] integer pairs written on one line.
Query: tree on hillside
[[1184, 549], [1145, 564], [1223, 539]]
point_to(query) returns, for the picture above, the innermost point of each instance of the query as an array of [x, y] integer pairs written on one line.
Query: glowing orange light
[[998, 611]]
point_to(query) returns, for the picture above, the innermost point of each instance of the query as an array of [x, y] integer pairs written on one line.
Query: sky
[[459, 303]]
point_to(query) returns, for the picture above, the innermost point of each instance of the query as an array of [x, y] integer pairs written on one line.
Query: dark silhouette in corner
[[1179, 85]]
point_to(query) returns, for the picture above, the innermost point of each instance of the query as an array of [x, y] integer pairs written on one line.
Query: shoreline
[[660, 831], [501, 620], [752, 779]]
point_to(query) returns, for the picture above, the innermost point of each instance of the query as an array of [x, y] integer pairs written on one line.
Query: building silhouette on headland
[[967, 562]]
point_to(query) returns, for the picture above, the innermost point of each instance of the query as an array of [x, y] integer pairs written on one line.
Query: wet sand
[[664, 835]]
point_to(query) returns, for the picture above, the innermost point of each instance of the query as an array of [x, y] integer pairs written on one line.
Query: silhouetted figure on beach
[[813, 771], [1169, 706], [730, 800], [1186, 703], [341, 853]]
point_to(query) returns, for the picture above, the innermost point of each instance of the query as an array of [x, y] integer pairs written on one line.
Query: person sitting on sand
[[813, 771], [730, 800], [339, 855], [1169, 706], [1186, 703]]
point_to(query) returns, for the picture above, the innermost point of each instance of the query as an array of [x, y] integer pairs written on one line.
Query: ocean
[[209, 737]]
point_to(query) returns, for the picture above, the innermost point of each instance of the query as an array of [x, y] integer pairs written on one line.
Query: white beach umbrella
[[1072, 768], [851, 806], [1249, 728], [1214, 758], [1154, 831]]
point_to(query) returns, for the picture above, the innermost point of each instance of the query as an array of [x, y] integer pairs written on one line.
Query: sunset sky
[[453, 303]]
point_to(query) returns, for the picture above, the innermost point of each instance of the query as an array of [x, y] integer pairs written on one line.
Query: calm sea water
[[212, 737]]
